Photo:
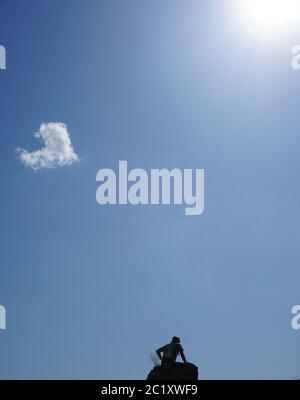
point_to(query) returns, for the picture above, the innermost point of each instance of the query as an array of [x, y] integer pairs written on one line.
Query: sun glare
[[270, 15], [274, 12]]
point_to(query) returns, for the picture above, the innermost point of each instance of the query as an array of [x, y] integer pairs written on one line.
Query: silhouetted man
[[170, 352]]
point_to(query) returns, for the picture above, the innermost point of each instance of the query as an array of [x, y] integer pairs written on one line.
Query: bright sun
[[272, 13]]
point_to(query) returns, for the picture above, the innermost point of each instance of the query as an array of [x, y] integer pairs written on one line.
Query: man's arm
[[159, 351], [182, 355]]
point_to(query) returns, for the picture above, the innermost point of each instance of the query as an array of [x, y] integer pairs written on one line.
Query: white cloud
[[57, 151]]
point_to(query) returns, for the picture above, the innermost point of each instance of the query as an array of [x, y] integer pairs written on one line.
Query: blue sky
[[91, 291]]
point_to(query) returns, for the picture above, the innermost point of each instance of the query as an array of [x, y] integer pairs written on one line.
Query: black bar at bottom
[[97, 390]]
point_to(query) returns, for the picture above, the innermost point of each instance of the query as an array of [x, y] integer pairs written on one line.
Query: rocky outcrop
[[174, 371]]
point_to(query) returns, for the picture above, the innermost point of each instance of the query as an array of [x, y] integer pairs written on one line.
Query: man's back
[[170, 351]]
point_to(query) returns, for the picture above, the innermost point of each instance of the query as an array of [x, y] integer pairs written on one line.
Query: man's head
[[175, 339]]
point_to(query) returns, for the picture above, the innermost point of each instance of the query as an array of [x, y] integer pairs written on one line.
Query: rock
[[174, 371]]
